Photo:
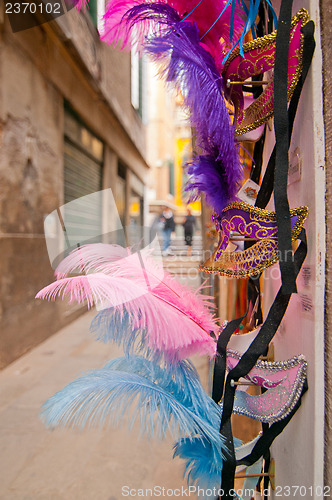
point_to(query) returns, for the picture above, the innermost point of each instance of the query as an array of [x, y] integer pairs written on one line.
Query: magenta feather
[[81, 4], [132, 22], [204, 14], [175, 319]]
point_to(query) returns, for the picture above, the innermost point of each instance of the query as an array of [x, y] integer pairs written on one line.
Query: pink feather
[[176, 319], [139, 266], [115, 28], [89, 257], [82, 4], [215, 39], [205, 14]]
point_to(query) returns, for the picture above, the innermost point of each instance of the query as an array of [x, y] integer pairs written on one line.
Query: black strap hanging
[[282, 144], [266, 189], [276, 312], [220, 361], [246, 363], [256, 171]]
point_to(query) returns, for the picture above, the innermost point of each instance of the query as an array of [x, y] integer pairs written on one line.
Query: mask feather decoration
[[171, 318], [222, 24], [192, 70], [162, 399]]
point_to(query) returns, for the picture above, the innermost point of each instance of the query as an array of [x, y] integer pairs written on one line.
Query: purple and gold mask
[[240, 223]]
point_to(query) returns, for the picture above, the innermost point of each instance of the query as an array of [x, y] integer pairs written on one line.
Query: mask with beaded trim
[[283, 380], [248, 239], [259, 57]]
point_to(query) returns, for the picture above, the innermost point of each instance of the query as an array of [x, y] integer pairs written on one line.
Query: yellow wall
[[183, 153]]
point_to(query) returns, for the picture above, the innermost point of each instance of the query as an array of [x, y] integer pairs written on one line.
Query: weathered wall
[[39, 68], [326, 34], [31, 117]]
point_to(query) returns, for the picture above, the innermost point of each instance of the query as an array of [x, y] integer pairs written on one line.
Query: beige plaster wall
[[39, 69]]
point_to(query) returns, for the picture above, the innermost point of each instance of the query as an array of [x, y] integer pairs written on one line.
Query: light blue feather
[[104, 396], [202, 468], [111, 325], [251, 14], [180, 379]]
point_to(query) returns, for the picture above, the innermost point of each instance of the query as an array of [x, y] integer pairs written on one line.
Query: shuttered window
[[83, 167]]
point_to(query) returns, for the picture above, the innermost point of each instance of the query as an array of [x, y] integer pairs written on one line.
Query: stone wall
[[40, 68]]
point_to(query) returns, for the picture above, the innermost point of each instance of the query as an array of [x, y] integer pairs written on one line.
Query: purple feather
[[186, 64], [210, 177], [192, 69]]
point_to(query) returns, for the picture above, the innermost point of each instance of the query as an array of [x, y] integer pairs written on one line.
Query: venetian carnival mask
[[240, 224]]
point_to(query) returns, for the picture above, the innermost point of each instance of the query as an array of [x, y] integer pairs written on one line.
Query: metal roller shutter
[[82, 176]]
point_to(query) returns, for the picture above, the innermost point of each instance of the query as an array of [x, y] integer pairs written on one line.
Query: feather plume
[[191, 69], [210, 177], [202, 468], [103, 397], [94, 288], [222, 24], [205, 14], [89, 258], [131, 22], [215, 19], [180, 379], [81, 4], [165, 318], [110, 259]]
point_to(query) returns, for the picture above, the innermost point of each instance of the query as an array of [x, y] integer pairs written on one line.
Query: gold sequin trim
[[303, 16], [263, 249]]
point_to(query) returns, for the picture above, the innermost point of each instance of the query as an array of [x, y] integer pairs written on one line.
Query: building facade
[[71, 112], [169, 140]]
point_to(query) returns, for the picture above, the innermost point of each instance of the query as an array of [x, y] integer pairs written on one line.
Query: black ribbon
[[277, 310], [282, 145], [246, 363], [267, 184]]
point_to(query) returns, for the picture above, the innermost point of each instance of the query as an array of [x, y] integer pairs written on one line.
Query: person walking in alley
[[189, 227], [169, 226]]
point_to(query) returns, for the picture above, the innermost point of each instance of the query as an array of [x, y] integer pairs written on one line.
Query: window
[[171, 177], [83, 172], [120, 192], [138, 84], [96, 9], [136, 209]]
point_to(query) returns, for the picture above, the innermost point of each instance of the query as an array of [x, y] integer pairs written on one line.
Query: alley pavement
[[68, 464]]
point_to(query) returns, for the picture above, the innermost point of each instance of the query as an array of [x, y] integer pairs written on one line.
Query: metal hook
[[253, 83]]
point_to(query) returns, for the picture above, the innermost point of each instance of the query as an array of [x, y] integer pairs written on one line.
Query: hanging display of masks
[[240, 224], [259, 58], [207, 50]]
